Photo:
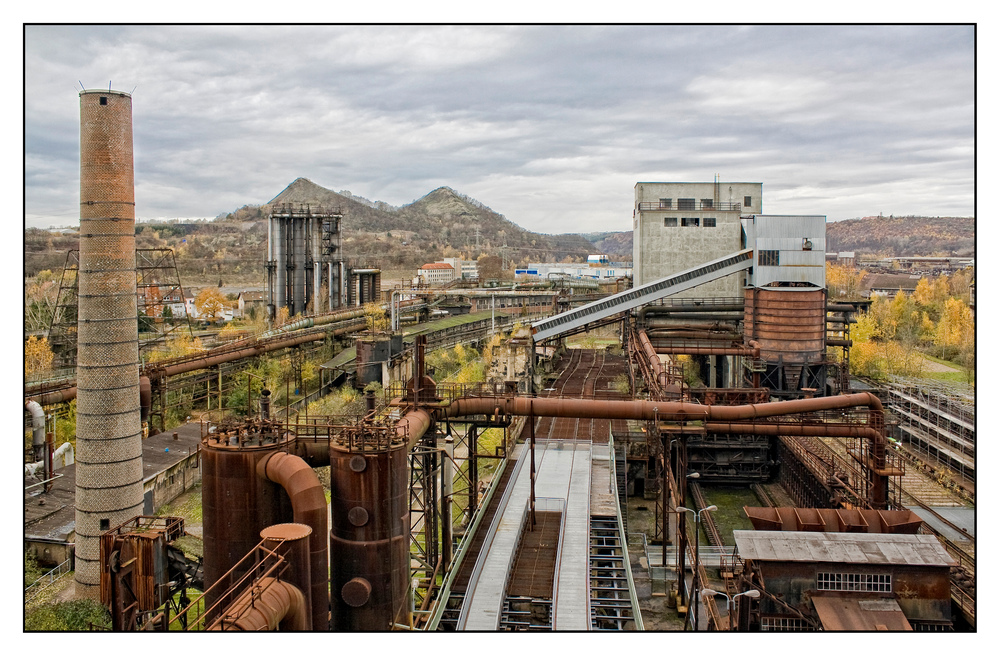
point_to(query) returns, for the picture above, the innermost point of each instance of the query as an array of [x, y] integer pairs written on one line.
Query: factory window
[[767, 258], [747, 201], [690, 222], [854, 582], [666, 203], [670, 222], [685, 203], [105, 524], [709, 222], [104, 100], [706, 203]]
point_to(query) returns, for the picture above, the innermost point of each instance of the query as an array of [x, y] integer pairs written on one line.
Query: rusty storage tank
[[789, 323], [109, 469], [369, 538], [237, 504]]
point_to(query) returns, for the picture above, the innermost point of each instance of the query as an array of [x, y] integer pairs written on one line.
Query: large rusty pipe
[[651, 410], [308, 507], [267, 606], [654, 360], [796, 430], [412, 426]]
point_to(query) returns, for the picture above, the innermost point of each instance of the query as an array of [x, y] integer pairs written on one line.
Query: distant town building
[[592, 271], [464, 269], [681, 225], [436, 274], [247, 300], [888, 284]]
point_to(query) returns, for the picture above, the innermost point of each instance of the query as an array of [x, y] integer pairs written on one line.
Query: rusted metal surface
[[848, 613], [308, 501], [135, 573], [834, 520], [373, 551], [269, 605], [533, 574], [237, 505], [292, 541]]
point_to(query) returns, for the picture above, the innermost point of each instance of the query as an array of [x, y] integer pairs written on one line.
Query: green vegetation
[[77, 615], [895, 336]]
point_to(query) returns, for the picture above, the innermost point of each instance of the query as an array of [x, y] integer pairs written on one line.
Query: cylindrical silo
[[789, 323], [237, 504], [369, 539], [108, 425]]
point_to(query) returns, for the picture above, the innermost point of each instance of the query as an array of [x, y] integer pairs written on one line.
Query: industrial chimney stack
[[108, 424]]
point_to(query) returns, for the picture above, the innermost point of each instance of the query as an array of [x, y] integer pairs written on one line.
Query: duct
[[747, 351], [37, 427], [269, 605], [308, 507]]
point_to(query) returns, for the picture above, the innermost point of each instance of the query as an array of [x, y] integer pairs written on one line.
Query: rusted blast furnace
[[369, 539], [251, 482], [790, 326]]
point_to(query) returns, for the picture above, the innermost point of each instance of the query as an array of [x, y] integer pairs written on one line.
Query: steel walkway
[[633, 298], [563, 473]]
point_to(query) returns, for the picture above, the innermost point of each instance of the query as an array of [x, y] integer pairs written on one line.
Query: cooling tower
[[108, 425]]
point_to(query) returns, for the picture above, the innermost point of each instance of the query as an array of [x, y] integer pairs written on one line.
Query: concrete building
[[464, 269], [680, 225]]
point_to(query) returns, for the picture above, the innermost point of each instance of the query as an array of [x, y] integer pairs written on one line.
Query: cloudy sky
[[551, 126]]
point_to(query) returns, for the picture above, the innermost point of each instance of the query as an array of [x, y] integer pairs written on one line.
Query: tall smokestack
[[108, 424]]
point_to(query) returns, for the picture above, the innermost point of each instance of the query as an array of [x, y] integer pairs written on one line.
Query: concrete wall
[[659, 250]]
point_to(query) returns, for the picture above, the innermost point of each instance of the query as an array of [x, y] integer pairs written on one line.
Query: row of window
[[689, 203], [854, 582], [689, 222]]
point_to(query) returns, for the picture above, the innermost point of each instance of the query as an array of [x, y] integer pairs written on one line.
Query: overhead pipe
[[702, 316], [308, 507], [657, 310], [268, 605]]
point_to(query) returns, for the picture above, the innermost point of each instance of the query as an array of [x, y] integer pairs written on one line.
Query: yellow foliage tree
[[210, 303], [844, 281], [37, 355], [375, 316], [956, 327], [176, 347]]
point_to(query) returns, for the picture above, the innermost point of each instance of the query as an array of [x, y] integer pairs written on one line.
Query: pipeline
[[268, 605], [746, 351], [308, 507], [654, 361], [37, 427]]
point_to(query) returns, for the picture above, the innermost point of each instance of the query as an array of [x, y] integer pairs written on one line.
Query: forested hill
[[902, 236]]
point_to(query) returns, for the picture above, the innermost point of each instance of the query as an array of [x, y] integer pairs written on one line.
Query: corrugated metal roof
[[844, 613], [863, 548]]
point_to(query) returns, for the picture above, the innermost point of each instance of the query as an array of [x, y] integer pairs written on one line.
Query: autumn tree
[[210, 303], [375, 318], [37, 356], [844, 281]]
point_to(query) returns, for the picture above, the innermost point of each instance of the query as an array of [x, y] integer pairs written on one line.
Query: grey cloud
[[551, 126]]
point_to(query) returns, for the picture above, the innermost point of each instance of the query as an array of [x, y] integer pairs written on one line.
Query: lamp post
[[730, 601], [681, 535], [694, 574]]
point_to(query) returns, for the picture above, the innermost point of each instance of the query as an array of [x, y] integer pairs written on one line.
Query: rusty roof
[[438, 265], [859, 548], [852, 613]]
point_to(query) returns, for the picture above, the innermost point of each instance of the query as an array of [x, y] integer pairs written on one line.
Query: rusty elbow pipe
[[267, 606], [412, 426], [308, 507]]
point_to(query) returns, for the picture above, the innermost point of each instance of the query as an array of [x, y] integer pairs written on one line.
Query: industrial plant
[[708, 465]]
